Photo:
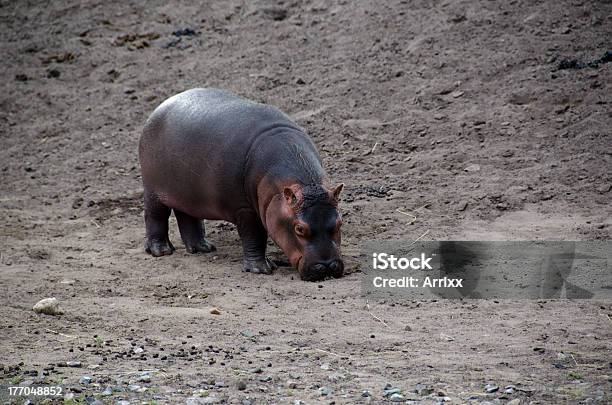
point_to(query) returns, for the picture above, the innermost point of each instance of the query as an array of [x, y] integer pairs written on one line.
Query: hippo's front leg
[[254, 241]]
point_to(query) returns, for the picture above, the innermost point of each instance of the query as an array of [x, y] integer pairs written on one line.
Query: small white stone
[[49, 306]]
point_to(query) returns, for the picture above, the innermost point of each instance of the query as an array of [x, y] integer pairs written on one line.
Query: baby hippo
[[209, 154]]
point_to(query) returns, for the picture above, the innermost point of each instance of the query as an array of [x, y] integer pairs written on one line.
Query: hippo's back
[[214, 113], [194, 147]]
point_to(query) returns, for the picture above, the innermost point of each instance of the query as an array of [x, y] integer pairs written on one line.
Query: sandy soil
[[456, 112]]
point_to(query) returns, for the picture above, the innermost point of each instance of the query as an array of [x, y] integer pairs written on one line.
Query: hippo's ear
[[292, 194], [337, 190]]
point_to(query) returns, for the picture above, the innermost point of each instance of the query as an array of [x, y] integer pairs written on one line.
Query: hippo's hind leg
[[254, 241], [192, 233], [156, 221]]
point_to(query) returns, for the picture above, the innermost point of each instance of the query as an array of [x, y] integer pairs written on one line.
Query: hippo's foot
[[159, 247], [203, 246], [265, 266]]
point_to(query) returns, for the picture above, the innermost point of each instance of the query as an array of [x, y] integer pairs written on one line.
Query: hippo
[[210, 154]]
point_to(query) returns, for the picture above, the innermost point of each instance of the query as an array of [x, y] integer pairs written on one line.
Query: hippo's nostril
[[318, 267], [337, 268]]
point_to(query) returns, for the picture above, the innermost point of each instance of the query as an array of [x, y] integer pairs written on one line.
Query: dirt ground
[[483, 119]]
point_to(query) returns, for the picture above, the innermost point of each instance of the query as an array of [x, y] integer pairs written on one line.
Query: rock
[[145, 377], [138, 350], [108, 391], [491, 388], [215, 311], [388, 391], [472, 168], [185, 32], [325, 391], [53, 73], [85, 380], [605, 188], [546, 197], [335, 377], [75, 364], [509, 389], [515, 401], [456, 94], [136, 388], [397, 397], [266, 378], [365, 393], [21, 77], [124, 402], [462, 205], [422, 389], [247, 333], [292, 384], [49, 306], [241, 385], [274, 13]]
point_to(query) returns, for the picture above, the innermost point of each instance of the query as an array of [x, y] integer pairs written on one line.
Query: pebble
[[108, 391], [267, 378], [85, 380], [422, 389], [397, 397], [491, 388], [138, 350], [49, 306], [247, 333], [292, 384], [145, 377], [605, 188], [215, 311], [75, 364], [335, 377], [366, 393], [325, 391], [241, 385], [509, 389], [515, 401], [462, 205], [122, 402], [136, 388], [472, 168], [388, 391]]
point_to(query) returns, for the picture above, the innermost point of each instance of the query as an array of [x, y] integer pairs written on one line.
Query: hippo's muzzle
[[322, 270]]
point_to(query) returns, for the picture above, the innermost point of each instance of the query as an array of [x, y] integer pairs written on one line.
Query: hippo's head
[[305, 223]]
